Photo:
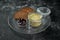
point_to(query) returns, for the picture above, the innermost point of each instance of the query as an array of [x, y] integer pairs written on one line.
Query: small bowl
[[44, 11]]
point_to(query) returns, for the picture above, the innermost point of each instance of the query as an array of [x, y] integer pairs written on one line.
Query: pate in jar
[[35, 19]]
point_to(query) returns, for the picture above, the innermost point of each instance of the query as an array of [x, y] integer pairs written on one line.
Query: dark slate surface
[[52, 32]]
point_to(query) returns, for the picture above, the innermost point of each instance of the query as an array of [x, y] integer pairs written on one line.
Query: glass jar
[[35, 19]]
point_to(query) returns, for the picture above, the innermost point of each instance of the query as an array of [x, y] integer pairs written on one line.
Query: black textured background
[[52, 32]]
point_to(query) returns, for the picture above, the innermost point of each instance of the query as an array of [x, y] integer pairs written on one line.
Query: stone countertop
[[52, 32]]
